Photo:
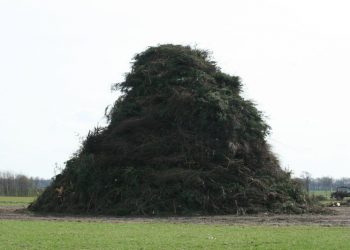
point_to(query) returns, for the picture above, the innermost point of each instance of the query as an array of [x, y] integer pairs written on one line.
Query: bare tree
[[306, 177], [20, 185]]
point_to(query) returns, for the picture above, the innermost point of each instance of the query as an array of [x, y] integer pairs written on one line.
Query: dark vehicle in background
[[341, 193]]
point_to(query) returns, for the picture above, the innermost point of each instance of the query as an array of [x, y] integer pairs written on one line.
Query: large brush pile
[[180, 140]]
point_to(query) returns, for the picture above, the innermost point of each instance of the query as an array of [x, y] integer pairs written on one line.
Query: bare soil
[[339, 216]]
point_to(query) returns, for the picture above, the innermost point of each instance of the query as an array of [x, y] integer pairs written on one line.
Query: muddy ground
[[339, 216]]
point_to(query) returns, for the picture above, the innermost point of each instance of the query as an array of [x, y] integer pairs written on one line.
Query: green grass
[[13, 201], [325, 193], [93, 235], [39, 234], [327, 201]]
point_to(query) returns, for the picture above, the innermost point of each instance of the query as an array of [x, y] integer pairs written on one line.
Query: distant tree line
[[12, 184], [322, 183]]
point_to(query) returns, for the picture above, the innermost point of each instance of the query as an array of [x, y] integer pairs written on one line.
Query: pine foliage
[[180, 140]]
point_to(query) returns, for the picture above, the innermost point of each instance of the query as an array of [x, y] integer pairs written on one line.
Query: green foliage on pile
[[180, 140]]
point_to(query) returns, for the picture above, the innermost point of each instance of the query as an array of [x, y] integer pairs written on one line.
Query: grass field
[[59, 233], [326, 194], [88, 235], [327, 200], [6, 201]]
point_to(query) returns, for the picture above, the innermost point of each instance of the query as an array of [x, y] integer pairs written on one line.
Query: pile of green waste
[[180, 140]]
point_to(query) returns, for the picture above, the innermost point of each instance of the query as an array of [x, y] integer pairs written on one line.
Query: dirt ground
[[340, 216]]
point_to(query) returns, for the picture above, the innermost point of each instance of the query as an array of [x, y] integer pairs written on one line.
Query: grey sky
[[58, 60]]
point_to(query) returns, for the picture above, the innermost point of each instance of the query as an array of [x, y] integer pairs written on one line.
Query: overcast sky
[[58, 60]]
